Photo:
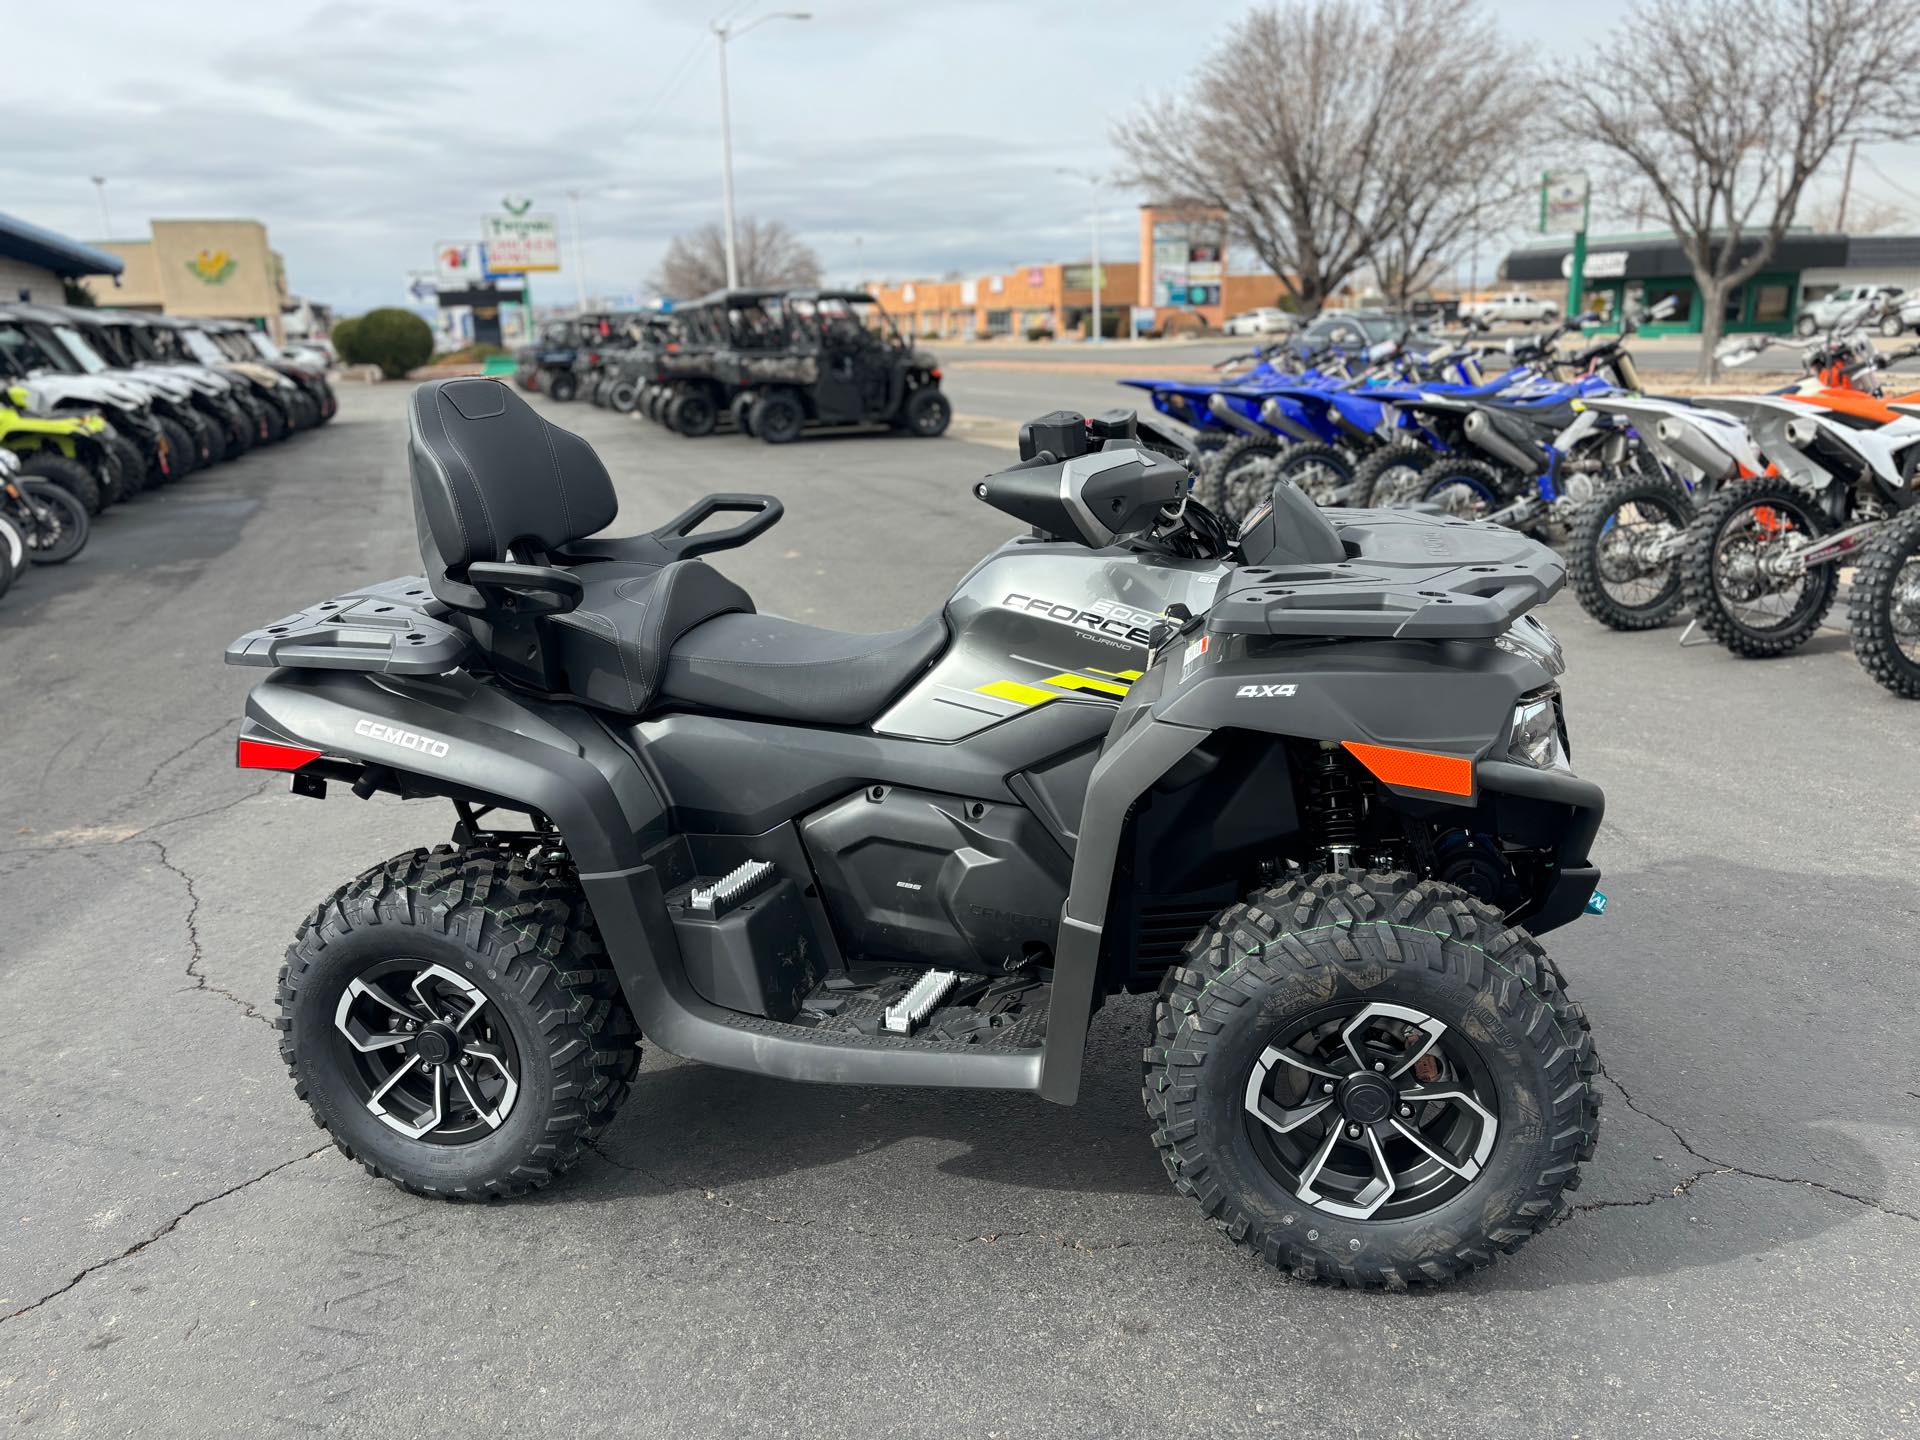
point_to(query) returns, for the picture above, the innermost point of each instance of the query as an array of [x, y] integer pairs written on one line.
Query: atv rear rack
[[389, 628], [1405, 577]]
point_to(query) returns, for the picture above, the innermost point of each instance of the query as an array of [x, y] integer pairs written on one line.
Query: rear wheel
[[562, 386], [53, 523], [126, 465], [927, 412], [200, 434], [692, 414], [1622, 554], [1371, 1079], [1884, 609], [1470, 489], [1743, 580], [69, 475], [622, 395], [453, 1021], [1391, 476], [777, 418]]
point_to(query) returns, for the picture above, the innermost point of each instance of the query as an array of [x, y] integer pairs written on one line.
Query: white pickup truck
[[1864, 304], [1513, 308]]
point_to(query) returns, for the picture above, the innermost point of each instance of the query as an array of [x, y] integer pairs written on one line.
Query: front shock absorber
[[1336, 807]]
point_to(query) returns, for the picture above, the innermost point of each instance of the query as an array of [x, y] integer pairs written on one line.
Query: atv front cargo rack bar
[[388, 628], [1403, 578]]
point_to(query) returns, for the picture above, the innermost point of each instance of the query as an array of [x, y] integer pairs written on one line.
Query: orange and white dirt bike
[[1764, 554]]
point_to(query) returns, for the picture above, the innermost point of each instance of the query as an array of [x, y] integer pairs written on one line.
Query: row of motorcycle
[[99, 406], [1743, 510]]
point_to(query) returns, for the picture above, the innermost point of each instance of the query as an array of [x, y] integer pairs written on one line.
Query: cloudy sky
[[900, 139]]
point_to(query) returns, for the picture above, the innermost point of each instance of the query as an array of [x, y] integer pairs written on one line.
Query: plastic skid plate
[[384, 627], [1406, 576]]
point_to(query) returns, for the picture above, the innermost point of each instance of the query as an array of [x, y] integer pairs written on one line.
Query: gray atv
[[1308, 786]]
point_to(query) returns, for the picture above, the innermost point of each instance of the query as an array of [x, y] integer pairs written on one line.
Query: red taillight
[[935, 372], [267, 755]]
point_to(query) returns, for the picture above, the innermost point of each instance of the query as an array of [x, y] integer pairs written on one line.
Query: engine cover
[[907, 875]]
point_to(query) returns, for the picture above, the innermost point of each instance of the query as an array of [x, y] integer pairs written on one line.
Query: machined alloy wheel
[[1371, 1078], [1371, 1109], [453, 1020]]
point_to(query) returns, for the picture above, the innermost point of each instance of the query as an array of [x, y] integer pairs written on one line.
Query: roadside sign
[[520, 243], [459, 263], [1563, 200], [420, 288]]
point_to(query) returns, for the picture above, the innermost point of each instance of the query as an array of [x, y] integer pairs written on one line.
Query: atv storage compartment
[[1405, 576], [745, 941], [389, 627]]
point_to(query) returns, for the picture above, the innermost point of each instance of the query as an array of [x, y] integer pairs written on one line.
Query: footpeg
[[731, 888], [914, 1006]]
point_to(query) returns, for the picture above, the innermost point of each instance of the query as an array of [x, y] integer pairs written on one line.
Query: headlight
[[1535, 737]]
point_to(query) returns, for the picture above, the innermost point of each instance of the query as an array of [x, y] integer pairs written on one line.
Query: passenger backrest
[[488, 473]]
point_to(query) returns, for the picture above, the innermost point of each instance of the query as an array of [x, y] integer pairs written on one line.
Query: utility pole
[[106, 220], [1094, 332], [1846, 185], [726, 32]]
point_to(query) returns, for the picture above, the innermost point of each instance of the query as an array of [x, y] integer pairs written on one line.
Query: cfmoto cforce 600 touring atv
[[1310, 787]]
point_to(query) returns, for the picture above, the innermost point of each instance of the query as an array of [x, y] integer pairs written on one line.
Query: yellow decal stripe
[[1016, 692], [1070, 681], [1127, 675]]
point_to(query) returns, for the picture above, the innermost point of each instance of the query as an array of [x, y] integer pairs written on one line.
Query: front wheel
[[69, 475], [453, 1021], [53, 521], [1745, 582], [622, 396], [1372, 1079], [1390, 477], [1891, 327], [1806, 326], [1623, 551], [692, 414], [1884, 608], [1323, 472], [1233, 481], [562, 386]]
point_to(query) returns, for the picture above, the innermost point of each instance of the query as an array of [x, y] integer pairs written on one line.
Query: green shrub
[[395, 340], [342, 337]]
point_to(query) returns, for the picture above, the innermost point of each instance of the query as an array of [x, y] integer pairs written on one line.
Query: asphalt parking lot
[[185, 1256]]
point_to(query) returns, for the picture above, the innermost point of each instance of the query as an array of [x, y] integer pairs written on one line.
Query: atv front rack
[[389, 628], [1406, 576]]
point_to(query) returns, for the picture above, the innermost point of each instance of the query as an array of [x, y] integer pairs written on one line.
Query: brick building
[[1184, 279]]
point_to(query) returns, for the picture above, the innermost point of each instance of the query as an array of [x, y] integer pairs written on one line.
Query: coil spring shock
[[1336, 809]]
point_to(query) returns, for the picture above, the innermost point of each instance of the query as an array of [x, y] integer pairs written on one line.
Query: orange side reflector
[[265, 755], [1415, 769]]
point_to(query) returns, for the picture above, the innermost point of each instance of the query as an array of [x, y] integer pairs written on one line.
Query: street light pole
[[726, 32], [579, 256], [1094, 335], [106, 220]]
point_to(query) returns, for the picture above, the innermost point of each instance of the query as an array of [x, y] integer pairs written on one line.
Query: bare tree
[[769, 254], [1324, 130], [1866, 215], [1725, 109]]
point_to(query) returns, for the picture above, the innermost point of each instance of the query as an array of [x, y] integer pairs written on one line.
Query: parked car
[[1825, 313], [1513, 308], [1266, 320]]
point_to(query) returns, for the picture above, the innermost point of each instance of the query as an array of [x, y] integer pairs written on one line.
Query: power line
[[1867, 160]]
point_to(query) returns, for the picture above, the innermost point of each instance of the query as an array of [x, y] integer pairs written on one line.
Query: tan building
[[1183, 277], [199, 267], [1028, 301]]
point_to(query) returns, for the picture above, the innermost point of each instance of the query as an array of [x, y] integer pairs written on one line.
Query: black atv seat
[[493, 481], [782, 670]]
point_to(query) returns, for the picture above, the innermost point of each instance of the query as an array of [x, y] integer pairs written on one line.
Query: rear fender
[[449, 735]]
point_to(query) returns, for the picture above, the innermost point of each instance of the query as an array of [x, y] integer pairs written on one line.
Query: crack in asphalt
[[154, 773], [194, 973], [160, 1234], [1714, 1166]]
